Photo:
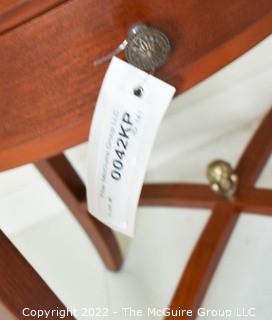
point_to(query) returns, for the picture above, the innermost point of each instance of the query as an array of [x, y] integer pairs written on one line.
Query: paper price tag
[[122, 133]]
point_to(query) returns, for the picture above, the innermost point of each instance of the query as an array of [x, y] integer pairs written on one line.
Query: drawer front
[[49, 84]]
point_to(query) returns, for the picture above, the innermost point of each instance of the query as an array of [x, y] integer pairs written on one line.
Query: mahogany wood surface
[[14, 13], [49, 84], [21, 286], [66, 182], [249, 199], [204, 259], [178, 195]]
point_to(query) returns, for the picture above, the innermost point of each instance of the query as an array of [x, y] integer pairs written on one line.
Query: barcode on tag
[[129, 109]]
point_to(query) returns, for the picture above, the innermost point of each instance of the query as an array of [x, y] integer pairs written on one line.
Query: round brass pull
[[222, 178]]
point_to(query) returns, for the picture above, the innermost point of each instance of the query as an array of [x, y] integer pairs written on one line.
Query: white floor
[[214, 120]]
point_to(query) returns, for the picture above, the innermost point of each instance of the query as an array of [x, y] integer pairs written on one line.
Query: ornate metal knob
[[147, 48], [223, 180]]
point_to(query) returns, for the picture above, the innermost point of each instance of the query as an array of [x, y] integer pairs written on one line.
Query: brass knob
[[223, 180]]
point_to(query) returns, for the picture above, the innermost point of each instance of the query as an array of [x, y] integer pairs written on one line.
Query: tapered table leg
[[65, 181], [22, 289]]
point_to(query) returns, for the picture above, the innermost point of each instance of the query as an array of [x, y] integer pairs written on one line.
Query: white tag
[[122, 133]]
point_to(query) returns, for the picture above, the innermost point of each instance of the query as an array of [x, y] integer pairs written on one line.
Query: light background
[[213, 120]]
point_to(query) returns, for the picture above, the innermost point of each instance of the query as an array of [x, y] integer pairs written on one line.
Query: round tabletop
[[49, 84]]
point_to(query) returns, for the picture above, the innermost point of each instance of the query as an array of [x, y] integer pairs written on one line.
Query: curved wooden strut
[[225, 213], [66, 182]]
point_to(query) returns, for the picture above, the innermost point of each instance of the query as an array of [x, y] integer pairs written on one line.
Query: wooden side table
[[48, 91]]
